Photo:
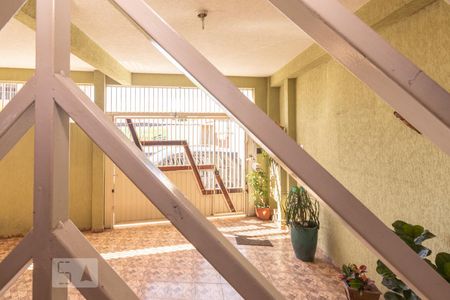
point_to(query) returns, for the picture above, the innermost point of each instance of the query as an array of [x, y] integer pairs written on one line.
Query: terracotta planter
[[263, 213], [354, 294]]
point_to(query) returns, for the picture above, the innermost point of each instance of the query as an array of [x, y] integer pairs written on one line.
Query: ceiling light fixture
[[202, 14]]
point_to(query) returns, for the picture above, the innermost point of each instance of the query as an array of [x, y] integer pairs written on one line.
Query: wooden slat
[[194, 167], [133, 133], [8, 9], [224, 191]]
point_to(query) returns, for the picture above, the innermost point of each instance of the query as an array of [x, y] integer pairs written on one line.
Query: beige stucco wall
[[16, 184], [394, 171], [16, 188]]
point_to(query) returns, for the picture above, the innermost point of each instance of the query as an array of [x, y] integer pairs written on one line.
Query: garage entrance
[[184, 133]]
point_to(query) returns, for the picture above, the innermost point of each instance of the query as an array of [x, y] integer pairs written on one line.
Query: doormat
[[242, 240]]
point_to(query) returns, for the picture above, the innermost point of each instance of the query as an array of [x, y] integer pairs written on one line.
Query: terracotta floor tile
[[229, 293], [159, 263], [206, 276], [208, 291]]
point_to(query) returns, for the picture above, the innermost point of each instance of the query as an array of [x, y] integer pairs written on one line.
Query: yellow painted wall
[[395, 172], [16, 184], [16, 188]]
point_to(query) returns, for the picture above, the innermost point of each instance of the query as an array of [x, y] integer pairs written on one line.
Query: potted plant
[[356, 283], [259, 184], [413, 236], [302, 216]]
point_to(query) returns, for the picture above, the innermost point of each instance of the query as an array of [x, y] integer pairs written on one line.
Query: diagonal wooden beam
[[371, 230], [190, 157], [405, 87], [72, 244], [163, 194], [224, 190], [17, 131], [8, 8], [17, 118], [17, 261], [83, 47], [375, 14]]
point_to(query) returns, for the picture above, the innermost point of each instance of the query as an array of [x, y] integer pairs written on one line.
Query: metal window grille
[[163, 99], [9, 89], [88, 89], [218, 142], [7, 92]]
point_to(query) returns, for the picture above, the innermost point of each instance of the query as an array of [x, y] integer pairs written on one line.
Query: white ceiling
[[246, 38]]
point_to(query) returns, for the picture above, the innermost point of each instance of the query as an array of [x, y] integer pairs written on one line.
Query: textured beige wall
[[16, 188], [395, 172], [16, 184]]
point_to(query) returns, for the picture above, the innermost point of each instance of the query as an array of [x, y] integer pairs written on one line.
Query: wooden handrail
[[133, 133], [192, 164], [224, 190]]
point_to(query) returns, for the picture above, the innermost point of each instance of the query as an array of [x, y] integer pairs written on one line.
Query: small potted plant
[[302, 217], [259, 184], [356, 283]]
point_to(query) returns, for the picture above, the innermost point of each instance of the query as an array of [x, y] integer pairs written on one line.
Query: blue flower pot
[[304, 242]]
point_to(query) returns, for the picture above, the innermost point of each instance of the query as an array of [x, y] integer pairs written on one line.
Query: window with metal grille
[[8, 90], [163, 100]]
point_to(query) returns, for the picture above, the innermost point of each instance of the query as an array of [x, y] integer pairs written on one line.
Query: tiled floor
[[158, 263]]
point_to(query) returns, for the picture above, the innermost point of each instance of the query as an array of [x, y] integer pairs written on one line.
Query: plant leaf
[[394, 284], [443, 265], [417, 230], [410, 295], [407, 231], [422, 251], [398, 225], [393, 296], [384, 271], [423, 236], [430, 263], [356, 284]]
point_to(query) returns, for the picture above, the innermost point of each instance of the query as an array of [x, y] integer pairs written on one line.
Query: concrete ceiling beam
[[83, 47]]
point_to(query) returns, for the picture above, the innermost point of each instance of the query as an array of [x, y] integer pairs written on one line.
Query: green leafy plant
[[413, 236], [259, 183], [301, 209], [355, 277]]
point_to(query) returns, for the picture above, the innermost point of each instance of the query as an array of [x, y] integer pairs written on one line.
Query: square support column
[[98, 162]]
